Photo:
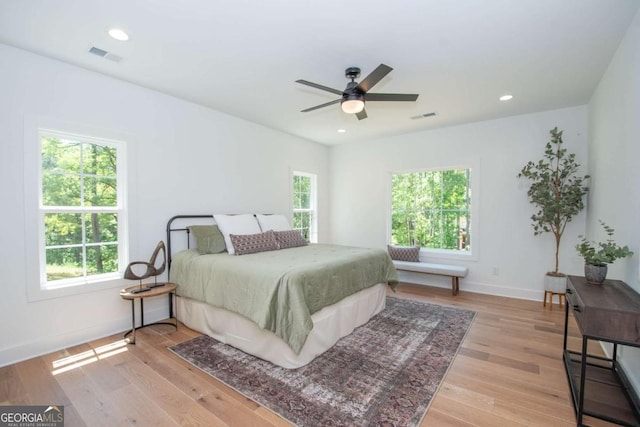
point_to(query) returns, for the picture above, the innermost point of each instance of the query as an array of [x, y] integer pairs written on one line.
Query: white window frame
[[37, 286], [313, 201], [437, 253]]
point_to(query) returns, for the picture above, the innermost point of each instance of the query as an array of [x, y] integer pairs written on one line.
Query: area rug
[[384, 374]]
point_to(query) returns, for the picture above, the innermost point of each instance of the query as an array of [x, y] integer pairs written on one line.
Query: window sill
[[37, 293]]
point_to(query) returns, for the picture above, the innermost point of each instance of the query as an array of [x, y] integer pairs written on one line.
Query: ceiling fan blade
[[361, 115], [372, 79], [321, 87], [326, 104], [390, 97]]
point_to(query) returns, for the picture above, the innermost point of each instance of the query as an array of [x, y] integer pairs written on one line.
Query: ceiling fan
[[353, 98]]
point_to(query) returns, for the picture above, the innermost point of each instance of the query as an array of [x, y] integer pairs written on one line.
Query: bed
[[286, 305]]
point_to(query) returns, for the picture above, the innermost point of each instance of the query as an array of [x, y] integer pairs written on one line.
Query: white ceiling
[[242, 57]]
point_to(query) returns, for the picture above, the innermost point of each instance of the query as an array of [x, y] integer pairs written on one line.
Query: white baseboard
[[626, 361], [630, 371], [470, 286], [37, 346]]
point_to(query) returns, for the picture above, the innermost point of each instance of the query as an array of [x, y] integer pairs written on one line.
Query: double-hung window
[[305, 218], [82, 209], [432, 209]]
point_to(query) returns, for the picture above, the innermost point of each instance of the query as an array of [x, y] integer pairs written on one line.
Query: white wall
[[614, 151], [503, 238], [183, 158]]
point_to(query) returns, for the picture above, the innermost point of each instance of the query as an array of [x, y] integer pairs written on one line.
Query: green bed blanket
[[280, 290]]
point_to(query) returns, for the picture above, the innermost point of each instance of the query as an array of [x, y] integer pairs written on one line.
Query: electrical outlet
[[496, 271]]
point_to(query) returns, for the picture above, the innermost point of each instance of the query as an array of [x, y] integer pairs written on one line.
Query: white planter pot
[[555, 284]]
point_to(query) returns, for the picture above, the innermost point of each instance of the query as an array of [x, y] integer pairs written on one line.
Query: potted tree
[[598, 255], [557, 191]]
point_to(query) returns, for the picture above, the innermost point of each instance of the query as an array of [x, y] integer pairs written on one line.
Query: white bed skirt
[[329, 325]]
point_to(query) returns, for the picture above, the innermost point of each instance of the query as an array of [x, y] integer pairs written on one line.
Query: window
[[304, 205], [432, 209], [81, 209]]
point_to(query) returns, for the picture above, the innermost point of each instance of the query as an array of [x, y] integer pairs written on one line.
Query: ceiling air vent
[[105, 54], [421, 116], [113, 57], [98, 52]]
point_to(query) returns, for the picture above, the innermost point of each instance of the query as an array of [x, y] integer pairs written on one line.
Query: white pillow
[[236, 224], [273, 222]]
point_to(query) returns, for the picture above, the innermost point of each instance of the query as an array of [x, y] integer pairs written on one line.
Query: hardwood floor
[[509, 372]]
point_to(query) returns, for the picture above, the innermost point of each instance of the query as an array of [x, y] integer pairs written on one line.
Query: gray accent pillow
[[253, 243], [209, 239], [290, 239], [404, 253]]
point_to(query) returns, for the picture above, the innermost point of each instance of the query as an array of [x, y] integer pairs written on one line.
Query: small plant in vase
[[598, 255]]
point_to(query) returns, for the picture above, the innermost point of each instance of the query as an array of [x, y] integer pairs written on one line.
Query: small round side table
[[165, 288]]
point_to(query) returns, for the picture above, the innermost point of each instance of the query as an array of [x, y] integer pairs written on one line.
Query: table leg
[[141, 312], [583, 371], [133, 322], [566, 323]]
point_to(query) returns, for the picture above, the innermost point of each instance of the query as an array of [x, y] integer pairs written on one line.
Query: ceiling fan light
[[352, 106]]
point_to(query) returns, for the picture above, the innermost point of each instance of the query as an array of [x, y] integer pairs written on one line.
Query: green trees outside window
[[79, 207], [432, 209], [304, 205]]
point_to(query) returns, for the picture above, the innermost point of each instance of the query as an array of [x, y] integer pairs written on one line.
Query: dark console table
[[599, 386]]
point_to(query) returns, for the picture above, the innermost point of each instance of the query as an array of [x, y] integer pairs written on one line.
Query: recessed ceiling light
[[506, 97], [342, 131], [118, 34]]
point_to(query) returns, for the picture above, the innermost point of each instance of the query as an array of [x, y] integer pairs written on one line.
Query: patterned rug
[[384, 374]]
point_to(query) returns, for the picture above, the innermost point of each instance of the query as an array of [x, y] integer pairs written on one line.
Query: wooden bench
[[453, 271]]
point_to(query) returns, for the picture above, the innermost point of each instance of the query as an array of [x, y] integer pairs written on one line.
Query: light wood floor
[[509, 372]]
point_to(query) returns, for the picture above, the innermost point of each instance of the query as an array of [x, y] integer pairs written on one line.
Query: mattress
[[329, 325], [280, 290]]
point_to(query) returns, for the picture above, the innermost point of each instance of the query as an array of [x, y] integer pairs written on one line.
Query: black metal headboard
[[183, 229]]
